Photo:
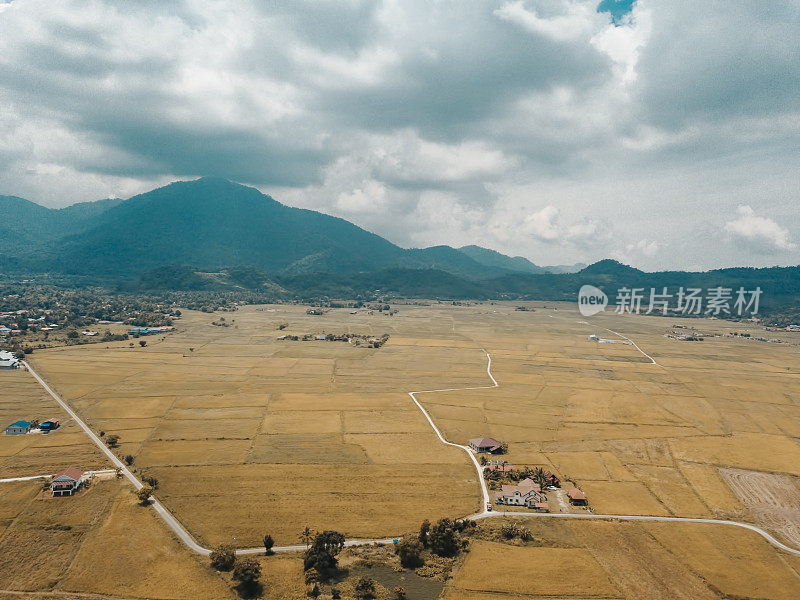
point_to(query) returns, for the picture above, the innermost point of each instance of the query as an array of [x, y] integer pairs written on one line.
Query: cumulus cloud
[[760, 233], [427, 122]]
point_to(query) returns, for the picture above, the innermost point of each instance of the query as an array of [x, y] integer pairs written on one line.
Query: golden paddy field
[[247, 435]]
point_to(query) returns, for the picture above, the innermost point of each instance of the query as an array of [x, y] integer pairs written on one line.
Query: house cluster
[[691, 336], [599, 340], [149, 330], [23, 427], [8, 360]]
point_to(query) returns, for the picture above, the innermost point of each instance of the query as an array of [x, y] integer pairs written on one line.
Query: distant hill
[[26, 225], [492, 258]]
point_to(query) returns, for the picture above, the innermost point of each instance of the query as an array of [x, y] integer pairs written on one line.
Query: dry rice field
[[248, 434]]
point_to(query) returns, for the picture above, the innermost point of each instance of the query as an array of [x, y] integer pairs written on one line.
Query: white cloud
[[760, 233], [427, 122], [371, 197], [574, 21]]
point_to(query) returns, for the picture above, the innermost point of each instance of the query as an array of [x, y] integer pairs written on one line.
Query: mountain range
[[212, 224], [213, 234]]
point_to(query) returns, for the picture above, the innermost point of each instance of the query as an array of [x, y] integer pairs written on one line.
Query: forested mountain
[[207, 223], [212, 234]]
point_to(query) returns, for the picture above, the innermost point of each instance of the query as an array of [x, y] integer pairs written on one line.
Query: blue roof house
[[18, 428]]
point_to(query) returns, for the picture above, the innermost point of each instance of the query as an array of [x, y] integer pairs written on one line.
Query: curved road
[[190, 542]]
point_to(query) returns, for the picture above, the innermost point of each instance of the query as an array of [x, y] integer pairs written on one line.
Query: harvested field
[[773, 500], [244, 429], [21, 398], [492, 567]]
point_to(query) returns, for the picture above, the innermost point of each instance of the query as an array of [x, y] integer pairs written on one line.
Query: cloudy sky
[[664, 133]]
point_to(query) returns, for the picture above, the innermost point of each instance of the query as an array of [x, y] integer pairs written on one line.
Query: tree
[[112, 441], [34, 423], [443, 538], [410, 553], [144, 493], [335, 593], [143, 343], [223, 557], [268, 544], [150, 480], [322, 553], [483, 460], [129, 459], [247, 572], [307, 535], [364, 589], [423, 532]]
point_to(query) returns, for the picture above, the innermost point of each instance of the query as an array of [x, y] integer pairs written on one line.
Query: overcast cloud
[[665, 134]]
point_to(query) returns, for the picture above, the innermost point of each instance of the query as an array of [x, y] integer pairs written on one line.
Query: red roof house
[[485, 444], [67, 482], [576, 496]]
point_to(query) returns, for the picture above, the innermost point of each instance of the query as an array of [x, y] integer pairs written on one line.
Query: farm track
[[190, 542]]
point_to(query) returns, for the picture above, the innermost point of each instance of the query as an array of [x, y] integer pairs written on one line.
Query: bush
[[247, 571], [143, 494], [443, 538], [364, 589], [223, 557], [150, 480], [410, 553], [112, 441]]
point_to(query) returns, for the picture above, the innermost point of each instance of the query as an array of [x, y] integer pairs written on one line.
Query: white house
[[8, 360], [525, 493]]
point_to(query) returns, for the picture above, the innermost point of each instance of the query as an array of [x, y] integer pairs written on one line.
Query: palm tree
[[540, 477], [307, 535]]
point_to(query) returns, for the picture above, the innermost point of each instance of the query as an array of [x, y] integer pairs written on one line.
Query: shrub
[[364, 589], [223, 557], [143, 494], [410, 553], [247, 571]]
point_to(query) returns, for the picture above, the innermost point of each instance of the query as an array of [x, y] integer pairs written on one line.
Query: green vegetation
[[223, 557]]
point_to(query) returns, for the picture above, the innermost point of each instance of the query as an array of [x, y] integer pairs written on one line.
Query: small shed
[[49, 425], [67, 482], [576, 497], [485, 444], [18, 428]]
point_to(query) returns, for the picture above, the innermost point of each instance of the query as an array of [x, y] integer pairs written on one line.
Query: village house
[[8, 360], [49, 425], [576, 497], [525, 493], [485, 444], [67, 482], [18, 428]]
